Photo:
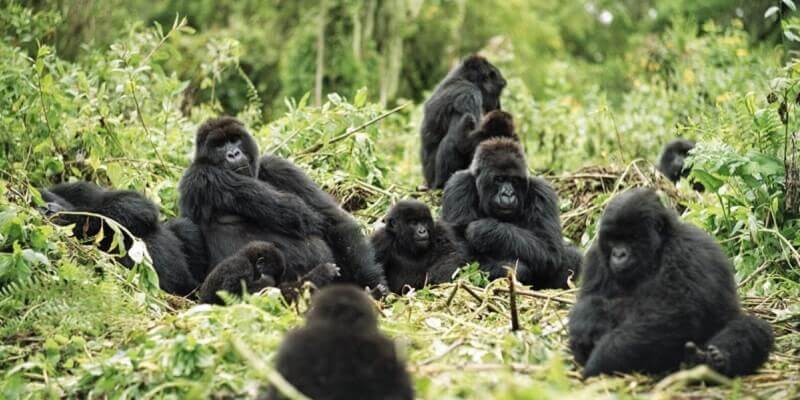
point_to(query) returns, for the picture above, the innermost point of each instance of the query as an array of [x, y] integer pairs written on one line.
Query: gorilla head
[[267, 261], [411, 224], [224, 142], [498, 123], [501, 176], [486, 76], [343, 305], [632, 231], [671, 162]]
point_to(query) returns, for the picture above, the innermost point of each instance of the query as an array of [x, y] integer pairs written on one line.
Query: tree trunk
[[320, 74]]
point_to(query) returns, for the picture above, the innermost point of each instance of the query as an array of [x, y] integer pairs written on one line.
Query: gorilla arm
[[454, 151], [490, 236], [352, 251], [460, 202], [208, 192]]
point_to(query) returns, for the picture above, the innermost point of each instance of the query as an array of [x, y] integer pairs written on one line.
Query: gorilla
[[671, 161], [166, 244], [458, 148], [508, 218], [657, 292], [340, 353], [236, 198], [256, 266], [415, 251], [466, 93]]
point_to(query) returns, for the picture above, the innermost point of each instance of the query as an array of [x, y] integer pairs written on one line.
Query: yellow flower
[[742, 53], [688, 76]]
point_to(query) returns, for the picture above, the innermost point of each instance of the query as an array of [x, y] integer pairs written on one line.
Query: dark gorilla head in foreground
[[225, 142], [657, 293], [255, 266], [411, 223], [501, 177], [487, 77], [340, 353]]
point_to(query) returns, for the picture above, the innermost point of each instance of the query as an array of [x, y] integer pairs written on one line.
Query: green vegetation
[[112, 91]]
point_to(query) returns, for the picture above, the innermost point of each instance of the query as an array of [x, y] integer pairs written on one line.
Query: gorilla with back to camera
[[340, 354], [671, 163], [657, 292], [468, 92], [508, 218], [236, 198], [414, 250], [177, 249]]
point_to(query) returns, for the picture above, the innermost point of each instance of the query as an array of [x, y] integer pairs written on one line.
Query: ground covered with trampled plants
[[75, 324]]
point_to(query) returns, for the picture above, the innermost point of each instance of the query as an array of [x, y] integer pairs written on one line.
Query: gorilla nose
[[234, 155], [619, 255], [422, 233]]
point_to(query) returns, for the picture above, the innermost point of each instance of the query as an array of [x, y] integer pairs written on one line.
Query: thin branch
[[528, 293], [315, 148]]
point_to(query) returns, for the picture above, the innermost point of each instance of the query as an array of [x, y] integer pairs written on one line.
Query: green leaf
[[790, 4], [771, 11], [710, 182], [361, 98]]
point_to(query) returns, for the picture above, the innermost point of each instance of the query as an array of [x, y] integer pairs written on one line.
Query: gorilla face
[[266, 260], [501, 196], [631, 235], [673, 158], [491, 82], [411, 224], [225, 143]]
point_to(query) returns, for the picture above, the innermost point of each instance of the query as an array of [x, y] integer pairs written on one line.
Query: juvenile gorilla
[[466, 93], [415, 251], [509, 219], [672, 159], [657, 292], [458, 147], [340, 354], [256, 266], [137, 214], [236, 198]]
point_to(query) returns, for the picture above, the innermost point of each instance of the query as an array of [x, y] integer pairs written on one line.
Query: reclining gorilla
[[236, 198], [509, 219], [256, 266], [340, 354], [657, 292], [177, 249], [415, 251], [458, 102]]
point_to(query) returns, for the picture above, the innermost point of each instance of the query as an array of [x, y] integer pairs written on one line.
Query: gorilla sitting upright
[[340, 354], [177, 250], [458, 102], [414, 250], [509, 219], [237, 198], [657, 292]]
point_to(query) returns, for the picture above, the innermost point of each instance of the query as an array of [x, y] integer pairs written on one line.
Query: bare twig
[[528, 293], [512, 301], [479, 298], [317, 147]]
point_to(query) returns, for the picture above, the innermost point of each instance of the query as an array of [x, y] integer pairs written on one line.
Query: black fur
[[193, 245], [657, 292], [458, 102], [672, 160], [509, 219], [136, 213], [415, 251], [255, 266], [236, 198], [340, 353]]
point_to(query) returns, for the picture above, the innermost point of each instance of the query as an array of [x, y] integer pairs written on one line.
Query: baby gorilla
[[658, 292], [415, 251], [340, 353], [672, 160], [258, 265]]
